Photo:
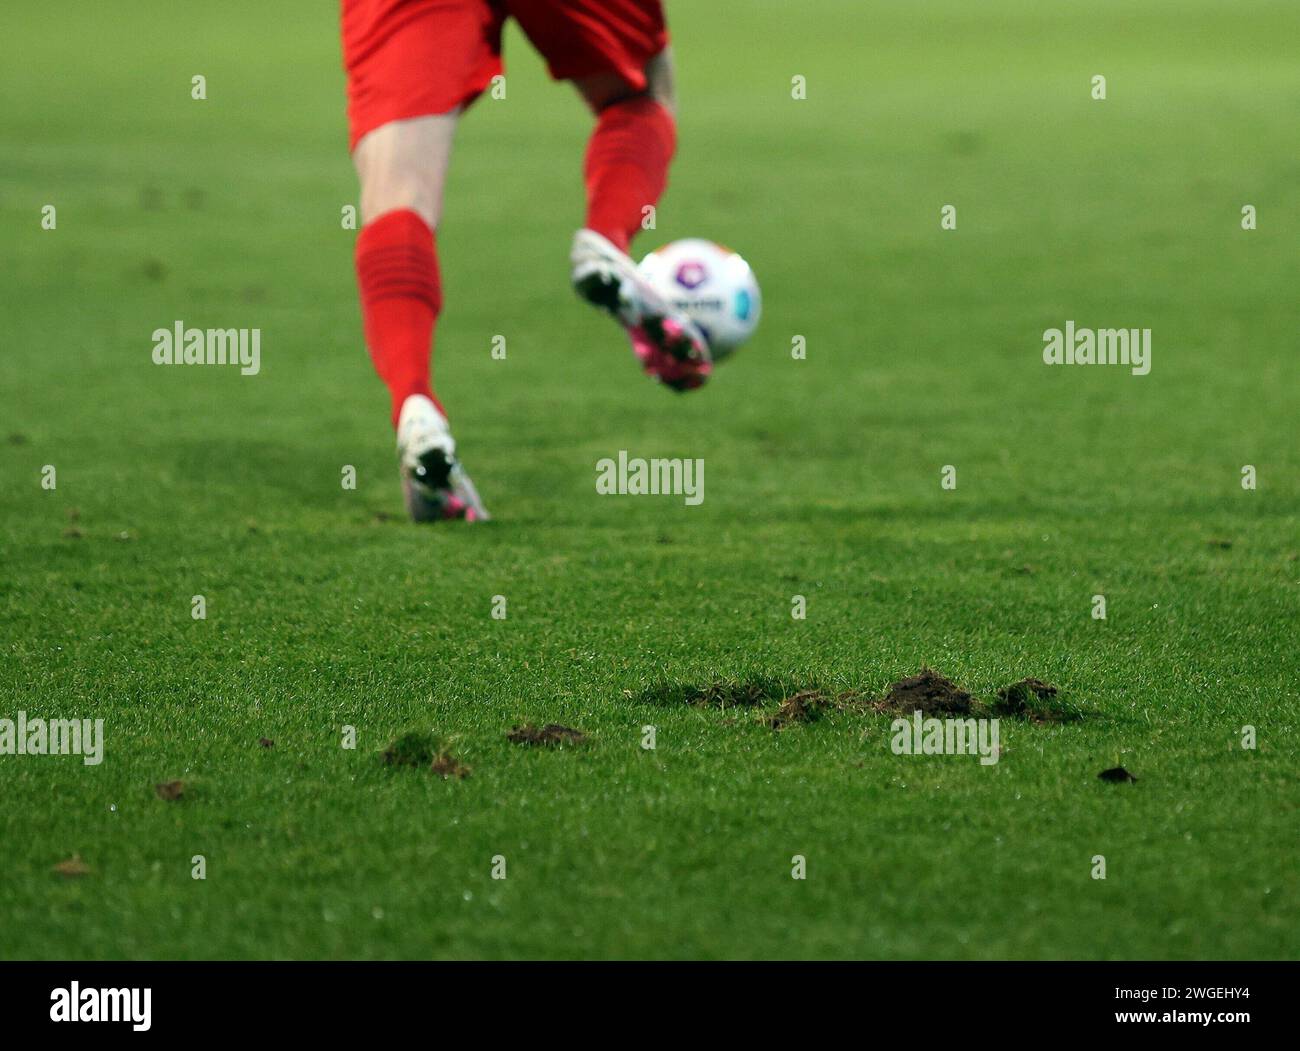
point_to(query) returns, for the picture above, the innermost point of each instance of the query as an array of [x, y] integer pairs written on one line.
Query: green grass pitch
[[325, 609]]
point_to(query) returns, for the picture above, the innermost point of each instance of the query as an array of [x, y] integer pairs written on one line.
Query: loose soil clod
[[927, 692], [170, 790], [72, 868], [446, 766], [550, 734]]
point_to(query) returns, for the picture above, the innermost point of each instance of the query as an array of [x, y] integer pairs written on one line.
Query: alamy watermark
[[83, 737], [930, 736], [636, 476], [75, 1004], [179, 345], [1102, 346]]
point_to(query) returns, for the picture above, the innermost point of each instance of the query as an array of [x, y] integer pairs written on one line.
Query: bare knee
[[403, 165], [661, 84]]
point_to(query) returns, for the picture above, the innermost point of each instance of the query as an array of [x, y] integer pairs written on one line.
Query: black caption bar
[[378, 1001]]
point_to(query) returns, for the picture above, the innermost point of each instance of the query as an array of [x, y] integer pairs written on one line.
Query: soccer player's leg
[[616, 53], [626, 170], [412, 66], [402, 167]]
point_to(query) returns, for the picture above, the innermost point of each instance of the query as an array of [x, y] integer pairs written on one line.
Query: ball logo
[[692, 275]]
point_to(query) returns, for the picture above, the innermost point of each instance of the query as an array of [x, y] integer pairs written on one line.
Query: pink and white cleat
[[434, 484], [670, 346]]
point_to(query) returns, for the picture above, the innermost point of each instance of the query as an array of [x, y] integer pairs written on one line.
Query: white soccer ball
[[711, 285]]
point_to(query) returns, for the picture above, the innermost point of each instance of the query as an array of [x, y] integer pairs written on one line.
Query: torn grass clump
[[1036, 701], [413, 748], [806, 706], [550, 735]]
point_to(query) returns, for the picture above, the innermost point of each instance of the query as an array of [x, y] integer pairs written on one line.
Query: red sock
[[401, 294], [627, 165]]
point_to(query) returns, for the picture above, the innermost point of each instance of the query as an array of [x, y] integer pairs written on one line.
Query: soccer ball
[[711, 285]]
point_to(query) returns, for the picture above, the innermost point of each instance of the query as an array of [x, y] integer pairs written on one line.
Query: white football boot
[[670, 346], [434, 484]]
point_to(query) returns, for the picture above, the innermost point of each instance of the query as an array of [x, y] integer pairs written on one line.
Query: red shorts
[[412, 58]]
